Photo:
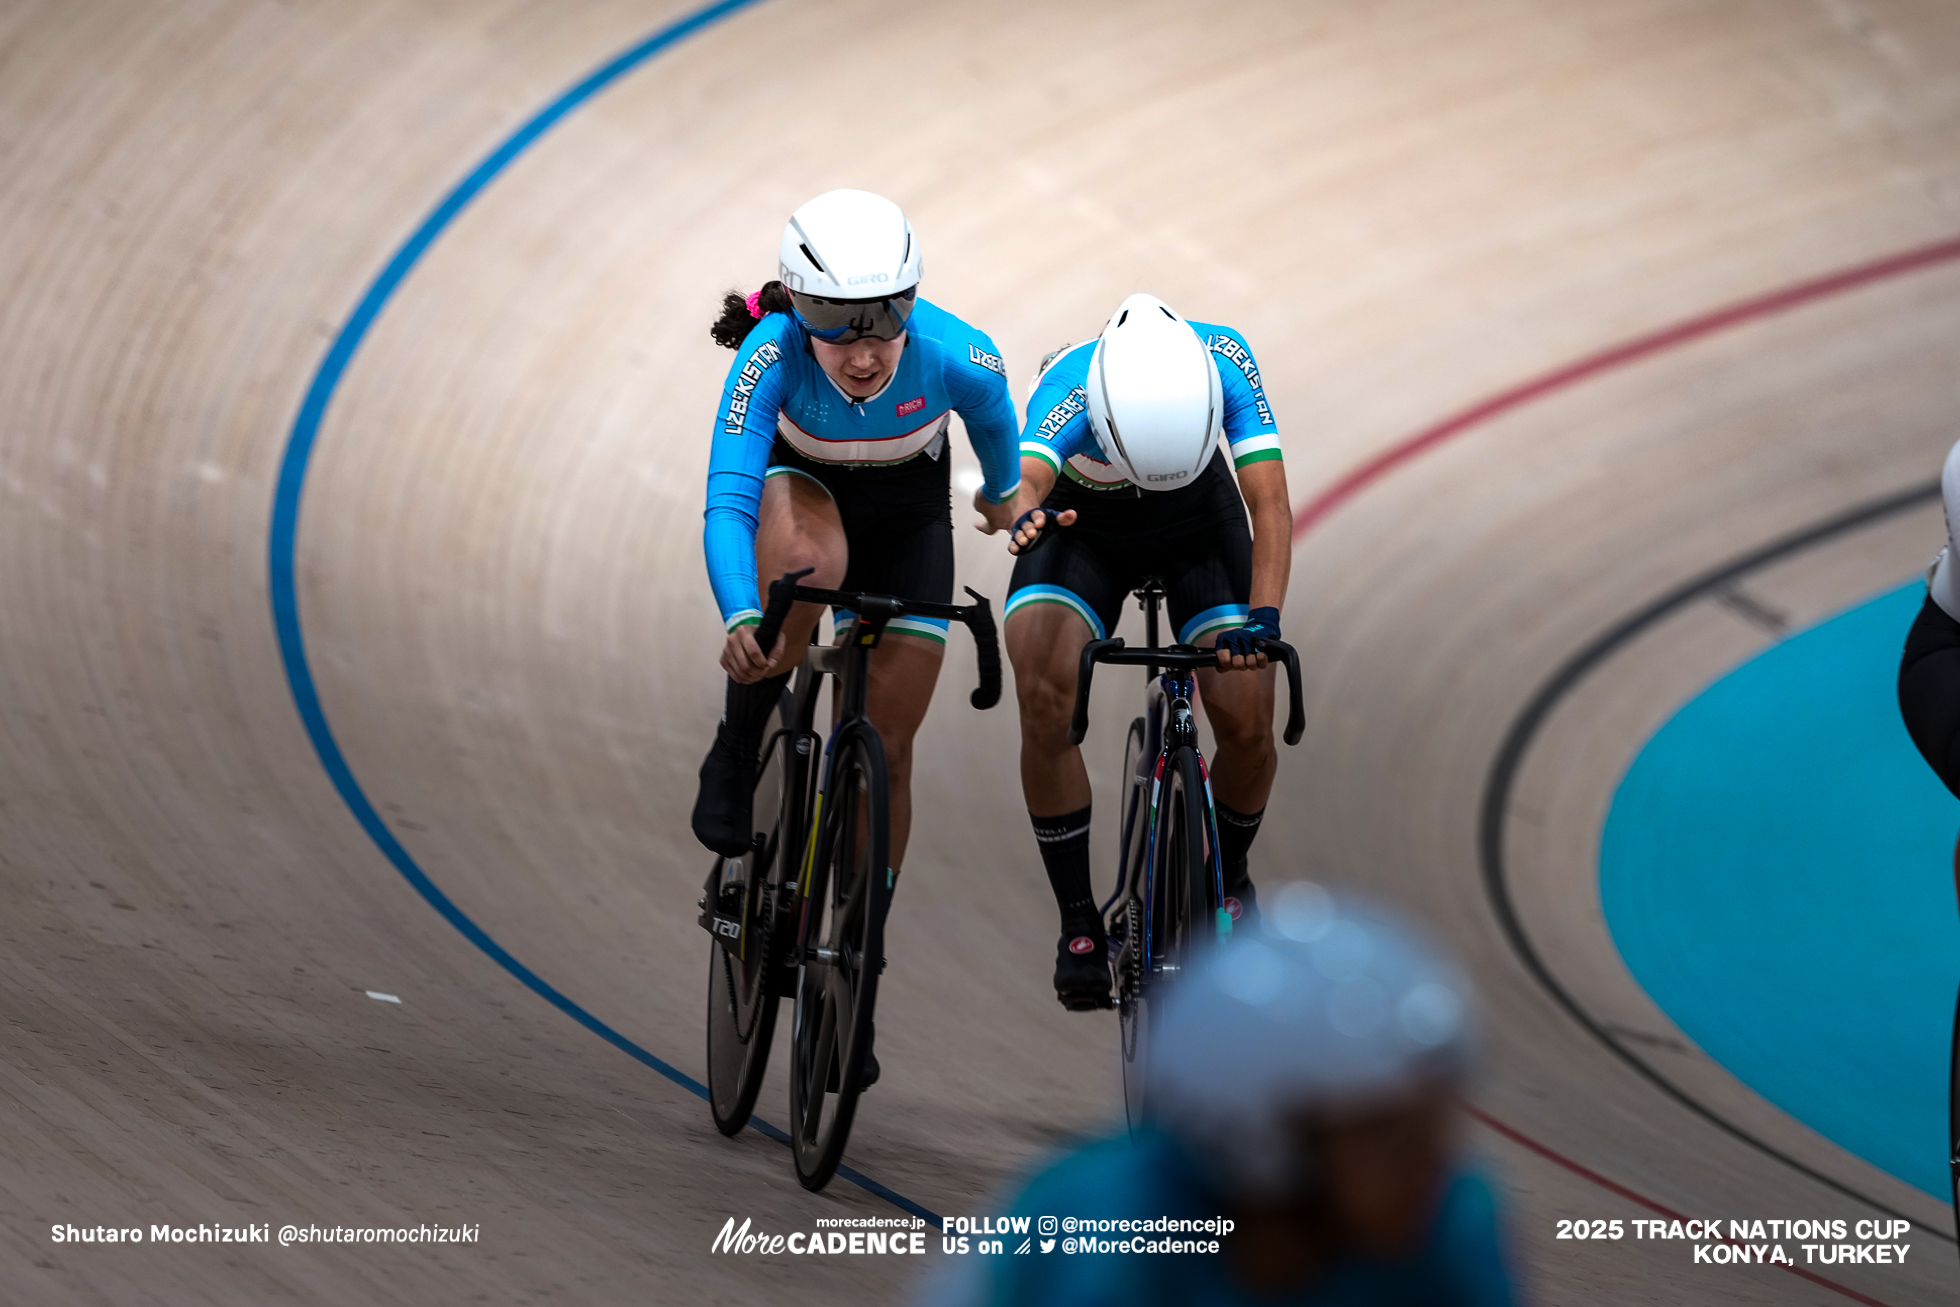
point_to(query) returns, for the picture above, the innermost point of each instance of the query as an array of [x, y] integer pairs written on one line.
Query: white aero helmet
[[852, 266], [1155, 400], [1329, 1006]]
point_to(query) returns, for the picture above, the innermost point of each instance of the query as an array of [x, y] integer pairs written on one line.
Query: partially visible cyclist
[[830, 453], [1126, 452], [1929, 701], [1303, 1087], [1929, 669]]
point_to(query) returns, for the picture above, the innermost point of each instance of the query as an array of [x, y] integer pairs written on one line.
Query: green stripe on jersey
[[1035, 449]]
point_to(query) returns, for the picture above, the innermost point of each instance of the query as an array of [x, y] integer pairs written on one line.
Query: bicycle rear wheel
[[844, 950], [740, 915], [1174, 903]]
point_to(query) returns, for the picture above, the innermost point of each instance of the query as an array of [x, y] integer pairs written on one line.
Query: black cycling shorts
[[1195, 540], [898, 526], [1929, 690]]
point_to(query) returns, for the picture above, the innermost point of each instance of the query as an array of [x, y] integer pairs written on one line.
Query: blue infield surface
[[1777, 872]]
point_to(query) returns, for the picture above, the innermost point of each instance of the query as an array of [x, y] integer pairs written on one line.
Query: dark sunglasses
[[839, 322]]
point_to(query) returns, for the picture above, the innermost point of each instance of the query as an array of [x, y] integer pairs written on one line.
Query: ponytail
[[739, 313]]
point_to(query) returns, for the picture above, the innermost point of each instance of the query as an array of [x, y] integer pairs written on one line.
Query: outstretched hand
[[1028, 530]]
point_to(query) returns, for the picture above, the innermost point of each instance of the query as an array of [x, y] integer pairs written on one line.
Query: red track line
[[1648, 1203], [1606, 360]]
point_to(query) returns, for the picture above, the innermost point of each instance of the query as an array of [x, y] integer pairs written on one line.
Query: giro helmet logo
[[869, 276], [1167, 476]]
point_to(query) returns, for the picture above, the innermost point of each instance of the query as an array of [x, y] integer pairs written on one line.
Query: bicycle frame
[[849, 662], [1169, 725], [1170, 699]]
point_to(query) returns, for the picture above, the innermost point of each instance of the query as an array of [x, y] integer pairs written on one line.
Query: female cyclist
[[830, 452]]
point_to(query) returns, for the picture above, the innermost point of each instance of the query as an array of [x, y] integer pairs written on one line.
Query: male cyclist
[[1124, 451]]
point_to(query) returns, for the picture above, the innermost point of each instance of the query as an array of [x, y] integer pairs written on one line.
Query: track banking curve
[[471, 480], [291, 488]]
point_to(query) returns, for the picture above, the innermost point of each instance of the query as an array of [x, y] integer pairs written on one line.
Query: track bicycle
[[1168, 907], [802, 914]]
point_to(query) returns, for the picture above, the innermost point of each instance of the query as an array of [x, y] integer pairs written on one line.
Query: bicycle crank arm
[[831, 957]]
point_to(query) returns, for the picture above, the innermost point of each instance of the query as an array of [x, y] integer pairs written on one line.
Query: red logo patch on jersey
[[911, 406], [1082, 944]]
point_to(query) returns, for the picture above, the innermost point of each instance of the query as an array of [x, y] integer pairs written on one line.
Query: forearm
[[1272, 559], [1264, 487], [728, 540], [1037, 479], [995, 437]]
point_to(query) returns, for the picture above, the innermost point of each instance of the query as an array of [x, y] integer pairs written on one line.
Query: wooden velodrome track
[[1408, 207]]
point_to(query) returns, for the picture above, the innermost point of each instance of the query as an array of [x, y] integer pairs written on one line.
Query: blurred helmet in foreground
[[1331, 1008]]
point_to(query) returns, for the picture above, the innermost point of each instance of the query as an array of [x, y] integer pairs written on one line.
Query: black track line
[[1510, 757]]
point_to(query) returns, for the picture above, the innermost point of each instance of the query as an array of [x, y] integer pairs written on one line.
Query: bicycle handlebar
[[1181, 657], [977, 617]]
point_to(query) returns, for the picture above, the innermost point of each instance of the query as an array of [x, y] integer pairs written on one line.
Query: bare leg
[[1239, 706], [904, 669], [1044, 642], [798, 527]]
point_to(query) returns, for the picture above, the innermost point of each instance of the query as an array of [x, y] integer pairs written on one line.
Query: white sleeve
[[1942, 583]]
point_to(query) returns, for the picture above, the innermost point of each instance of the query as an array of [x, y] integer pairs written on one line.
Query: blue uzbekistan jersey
[[776, 388], [1151, 1187], [1059, 433]]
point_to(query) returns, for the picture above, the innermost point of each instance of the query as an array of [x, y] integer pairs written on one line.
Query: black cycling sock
[[746, 711], [1236, 831], [1064, 843]]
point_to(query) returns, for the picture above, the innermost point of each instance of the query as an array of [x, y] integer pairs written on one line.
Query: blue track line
[[285, 530]]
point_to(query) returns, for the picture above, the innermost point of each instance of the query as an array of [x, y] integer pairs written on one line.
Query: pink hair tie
[[755, 304]]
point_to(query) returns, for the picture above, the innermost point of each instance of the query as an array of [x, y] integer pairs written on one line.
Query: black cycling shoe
[[1082, 969], [1242, 901], [723, 809]]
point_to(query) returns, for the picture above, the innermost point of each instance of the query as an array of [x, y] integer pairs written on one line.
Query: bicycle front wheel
[[1174, 902], [844, 950], [744, 954]]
